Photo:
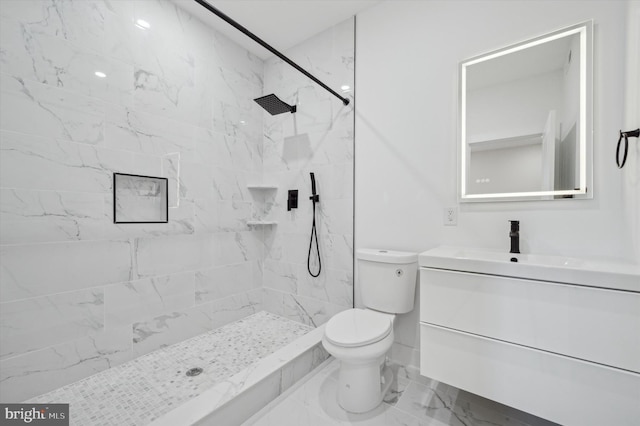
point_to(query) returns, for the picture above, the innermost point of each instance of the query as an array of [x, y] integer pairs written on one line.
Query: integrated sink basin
[[594, 273]]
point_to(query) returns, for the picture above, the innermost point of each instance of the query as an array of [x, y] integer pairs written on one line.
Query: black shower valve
[[292, 200]]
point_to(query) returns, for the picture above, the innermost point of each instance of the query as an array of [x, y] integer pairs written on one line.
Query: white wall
[[632, 121], [407, 54]]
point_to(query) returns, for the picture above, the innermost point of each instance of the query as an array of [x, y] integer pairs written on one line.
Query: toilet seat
[[358, 327]]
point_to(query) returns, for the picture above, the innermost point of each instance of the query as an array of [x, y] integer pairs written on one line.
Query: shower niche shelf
[[262, 186], [261, 223]]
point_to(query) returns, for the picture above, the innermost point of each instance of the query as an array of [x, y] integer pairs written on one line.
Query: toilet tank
[[387, 279]]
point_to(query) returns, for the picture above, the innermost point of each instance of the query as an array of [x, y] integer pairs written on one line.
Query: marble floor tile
[[312, 401], [290, 413]]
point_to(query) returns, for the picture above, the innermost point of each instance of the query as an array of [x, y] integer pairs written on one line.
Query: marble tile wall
[[78, 293], [318, 138]]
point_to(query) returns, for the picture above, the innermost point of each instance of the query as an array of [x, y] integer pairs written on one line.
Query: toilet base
[[361, 387]]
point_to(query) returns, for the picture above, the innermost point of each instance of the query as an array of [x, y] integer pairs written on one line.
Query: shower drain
[[194, 371]]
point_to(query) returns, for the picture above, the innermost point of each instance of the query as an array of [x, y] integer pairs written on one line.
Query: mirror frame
[[585, 191]]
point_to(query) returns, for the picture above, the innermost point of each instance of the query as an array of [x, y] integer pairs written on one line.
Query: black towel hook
[[626, 135]]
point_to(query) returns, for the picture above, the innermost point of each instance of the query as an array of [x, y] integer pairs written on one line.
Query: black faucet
[[515, 236]]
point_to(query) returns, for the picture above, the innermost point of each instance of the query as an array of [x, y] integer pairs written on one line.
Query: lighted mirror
[[525, 119]]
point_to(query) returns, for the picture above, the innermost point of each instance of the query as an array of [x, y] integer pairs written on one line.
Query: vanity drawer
[[554, 387], [589, 323]]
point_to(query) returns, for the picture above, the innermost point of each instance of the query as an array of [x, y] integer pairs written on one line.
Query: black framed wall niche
[[140, 199]]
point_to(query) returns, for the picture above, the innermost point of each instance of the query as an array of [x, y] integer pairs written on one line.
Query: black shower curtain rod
[[264, 44]]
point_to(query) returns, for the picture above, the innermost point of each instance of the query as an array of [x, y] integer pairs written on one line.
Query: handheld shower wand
[[315, 198]]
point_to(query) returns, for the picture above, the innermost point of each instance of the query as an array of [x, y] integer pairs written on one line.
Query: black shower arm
[[264, 44]]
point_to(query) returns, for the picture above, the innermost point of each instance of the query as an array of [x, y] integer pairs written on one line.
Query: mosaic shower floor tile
[[141, 390]]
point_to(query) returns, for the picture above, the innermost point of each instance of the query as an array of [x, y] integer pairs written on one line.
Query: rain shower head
[[274, 105]]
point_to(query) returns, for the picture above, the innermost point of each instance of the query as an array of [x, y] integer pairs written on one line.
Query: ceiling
[[280, 23]]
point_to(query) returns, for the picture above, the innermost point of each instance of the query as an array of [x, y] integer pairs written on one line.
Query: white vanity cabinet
[[563, 351]]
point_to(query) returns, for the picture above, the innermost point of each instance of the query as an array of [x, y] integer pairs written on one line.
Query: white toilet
[[360, 338]]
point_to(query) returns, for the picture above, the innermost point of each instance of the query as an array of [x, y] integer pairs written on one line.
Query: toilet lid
[[357, 327]]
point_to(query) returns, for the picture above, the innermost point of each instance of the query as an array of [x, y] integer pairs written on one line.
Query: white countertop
[[593, 273]]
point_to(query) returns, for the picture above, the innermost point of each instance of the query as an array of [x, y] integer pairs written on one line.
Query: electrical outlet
[[450, 217]]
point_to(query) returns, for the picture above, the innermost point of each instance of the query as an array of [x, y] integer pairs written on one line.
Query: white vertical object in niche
[[171, 170]]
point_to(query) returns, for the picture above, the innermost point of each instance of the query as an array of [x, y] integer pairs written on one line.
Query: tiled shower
[[86, 91]]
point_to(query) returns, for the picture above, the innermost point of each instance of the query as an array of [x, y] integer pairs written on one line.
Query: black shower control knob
[[292, 199]]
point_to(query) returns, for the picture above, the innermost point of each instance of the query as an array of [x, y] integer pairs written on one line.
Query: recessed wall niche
[[140, 199]]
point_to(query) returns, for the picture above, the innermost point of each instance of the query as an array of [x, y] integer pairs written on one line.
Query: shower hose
[[314, 233]]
